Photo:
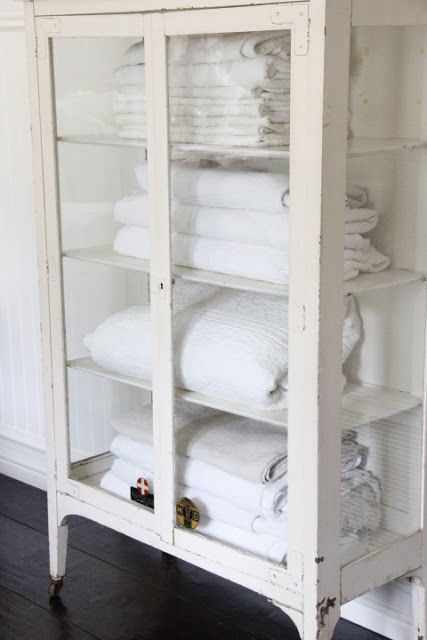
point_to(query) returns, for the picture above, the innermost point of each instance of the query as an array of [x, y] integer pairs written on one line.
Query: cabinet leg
[[58, 540], [321, 627], [419, 608]]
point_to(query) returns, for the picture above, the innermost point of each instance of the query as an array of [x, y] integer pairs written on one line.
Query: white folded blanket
[[227, 188], [240, 446], [255, 72], [230, 344], [237, 225], [245, 260], [216, 48]]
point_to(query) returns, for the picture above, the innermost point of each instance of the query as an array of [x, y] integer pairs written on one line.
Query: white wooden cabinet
[[370, 50]]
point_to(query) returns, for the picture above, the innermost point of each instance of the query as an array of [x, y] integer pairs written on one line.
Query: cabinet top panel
[[74, 7], [364, 12], [69, 7]]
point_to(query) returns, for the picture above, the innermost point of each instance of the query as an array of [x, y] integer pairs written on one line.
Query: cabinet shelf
[[361, 403], [363, 283], [356, 147]]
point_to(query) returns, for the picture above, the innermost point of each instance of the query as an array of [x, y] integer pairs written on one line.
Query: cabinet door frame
[[61, 475]]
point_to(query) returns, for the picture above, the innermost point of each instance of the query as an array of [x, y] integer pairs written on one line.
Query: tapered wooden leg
[[419, 609], [58, 541]]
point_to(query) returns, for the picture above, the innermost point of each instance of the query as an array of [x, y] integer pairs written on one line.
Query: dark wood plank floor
[[119, 589]]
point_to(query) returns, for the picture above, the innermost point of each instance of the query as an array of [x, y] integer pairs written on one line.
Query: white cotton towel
[[211, 138], [216, 48], [227, 188], [230, 344], [125, 103], [360, 501], [244, 260], [263, 545], [208, 504], [254, 497], [252, 450], [249, 449], [246, 73], [366, 260], [237, 225]]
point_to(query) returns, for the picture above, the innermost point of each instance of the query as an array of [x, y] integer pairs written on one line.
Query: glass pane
[[385, 232], [104, 224], [229, 130]]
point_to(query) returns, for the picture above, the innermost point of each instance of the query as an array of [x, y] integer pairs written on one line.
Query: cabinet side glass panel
[[103, 219], [386, 229]]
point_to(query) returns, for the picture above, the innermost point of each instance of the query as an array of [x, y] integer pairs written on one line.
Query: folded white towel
[[230, 344], [247, 448], [245, 260], [227, 188], [254, 497], [216, 48], [263, 545], [243, 447], [224, 124], [357, 197], [360, 501], [366, 260], [237, 225], [212, 138], [360, 220], [271, 94], [125, 103], [253, 72]]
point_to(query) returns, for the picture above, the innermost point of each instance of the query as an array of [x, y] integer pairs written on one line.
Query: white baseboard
[[388, 623], [23, 462]]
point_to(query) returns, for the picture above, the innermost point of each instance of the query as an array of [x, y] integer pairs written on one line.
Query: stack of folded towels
[[236, 221], [223, 89], [235, 471], [228, 344]]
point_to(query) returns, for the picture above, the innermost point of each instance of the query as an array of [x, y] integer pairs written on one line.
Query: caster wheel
[[55, 587]]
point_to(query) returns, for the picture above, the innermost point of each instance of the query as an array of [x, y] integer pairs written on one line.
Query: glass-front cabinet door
[[95, 136]]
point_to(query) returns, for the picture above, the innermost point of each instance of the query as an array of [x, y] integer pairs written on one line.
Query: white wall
[[21, 416]]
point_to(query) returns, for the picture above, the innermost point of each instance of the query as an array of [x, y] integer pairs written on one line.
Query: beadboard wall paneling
[[21, 411]]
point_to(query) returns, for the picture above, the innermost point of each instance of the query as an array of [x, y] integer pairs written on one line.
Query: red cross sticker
[[142, 486]]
